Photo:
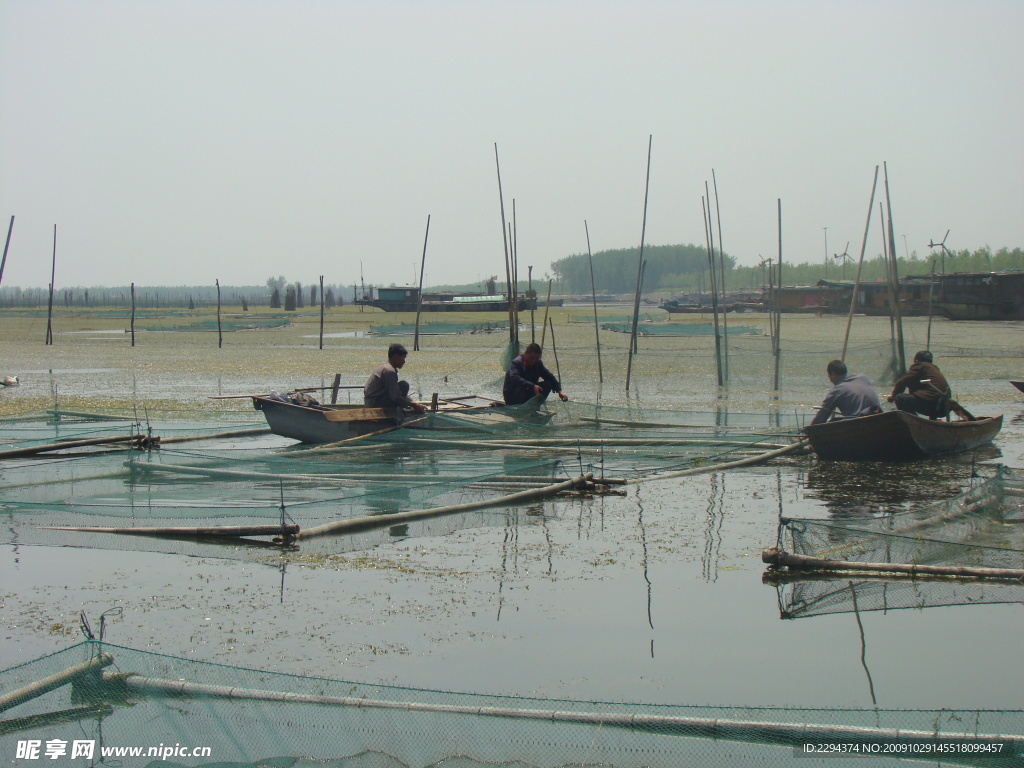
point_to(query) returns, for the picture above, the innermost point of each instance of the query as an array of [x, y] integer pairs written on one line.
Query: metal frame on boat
[[898, 436]]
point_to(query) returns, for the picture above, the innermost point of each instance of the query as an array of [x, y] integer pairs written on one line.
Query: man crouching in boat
[[929, 391], [384, 390], [527, 377], [851, 394]]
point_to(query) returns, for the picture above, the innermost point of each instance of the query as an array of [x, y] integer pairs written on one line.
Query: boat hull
[[898, 436], [1019, 385], [312, 424]]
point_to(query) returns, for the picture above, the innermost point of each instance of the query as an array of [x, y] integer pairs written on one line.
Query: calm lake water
[[652, 595]]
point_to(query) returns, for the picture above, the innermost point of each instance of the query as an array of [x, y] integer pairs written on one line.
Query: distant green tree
[[275, 299], [289, 299]]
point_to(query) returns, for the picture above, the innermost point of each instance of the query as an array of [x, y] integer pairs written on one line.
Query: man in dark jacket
[[851, 395], [929, 392], [527, 377], [384, 390]]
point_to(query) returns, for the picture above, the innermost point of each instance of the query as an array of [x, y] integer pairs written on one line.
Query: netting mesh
[[983, 527], [439, 328], [108, 700], [229, 473]]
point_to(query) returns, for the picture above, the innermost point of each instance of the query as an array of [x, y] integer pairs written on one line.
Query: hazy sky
[[182, 142]]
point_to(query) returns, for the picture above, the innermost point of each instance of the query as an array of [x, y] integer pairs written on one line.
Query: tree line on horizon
[[669, 269]]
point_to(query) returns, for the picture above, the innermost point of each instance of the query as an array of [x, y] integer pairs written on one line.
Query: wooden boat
[[898, 436], [333, 423], [1019, 385]]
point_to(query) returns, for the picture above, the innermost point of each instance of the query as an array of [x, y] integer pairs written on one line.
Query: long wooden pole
[[593, 296], [794, 735], [515, 278], [133, 315], [544, 325], [10, 228], [504, 238], [775, 556], [533, 303], [721, 283], [639, 267], [321, 311], [900, 345], [860, 266], [353, 525], [419, 295], [931, 291], [778, 306], [47, 684], [554, 349], [705, 205], [53, 274], [220, 331]]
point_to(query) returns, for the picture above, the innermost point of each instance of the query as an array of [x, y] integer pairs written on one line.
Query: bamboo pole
[[321, 311], [554, 349], [220, 332], [901, 346], [216, 435], [515, 276], [133, 314], [419, 295], [47, 684], [356, 524], [778, 557], [593, 296], [639, 267], [890, 283], [533, 304], [53, 275], [778, 306], [186, 532], [759, 458], [504, 238], [705, 205], [931, 287], [13, 453], [544, 325], [860, 266], [792, 735], [721, 267], [10, 229]]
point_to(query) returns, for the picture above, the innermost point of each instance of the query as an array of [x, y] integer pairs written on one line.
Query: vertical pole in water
[[419, 295], [778, 308], [504, 238], [533, 303], [896, 279], [860, 264], [931, 287], [220, 333], [544, 326], [554, 349], [53, 273], [721, 285], [514, 260], [593, 296], [889, 283], [639, 267], [10, 228], [133, 314], [705, 205], [321, 311]]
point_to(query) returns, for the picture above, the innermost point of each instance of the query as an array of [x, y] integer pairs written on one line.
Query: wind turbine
[[843, 257], [945, 250]]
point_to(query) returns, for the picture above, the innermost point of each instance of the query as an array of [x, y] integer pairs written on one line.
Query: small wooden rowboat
[[334, 423], [898, 436], [1019, 385]]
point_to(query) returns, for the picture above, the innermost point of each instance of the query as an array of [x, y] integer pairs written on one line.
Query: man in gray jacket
[[384, 390]]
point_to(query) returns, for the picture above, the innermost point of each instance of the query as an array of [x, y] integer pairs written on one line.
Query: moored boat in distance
[[898, 436], [407, 299]]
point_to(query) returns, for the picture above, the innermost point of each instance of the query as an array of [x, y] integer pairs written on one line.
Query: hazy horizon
[[182, 143]]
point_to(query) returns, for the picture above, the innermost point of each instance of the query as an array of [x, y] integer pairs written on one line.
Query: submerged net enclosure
[[973, 545], [440, 328], [96, 479], [678, 329], [97, 703]]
